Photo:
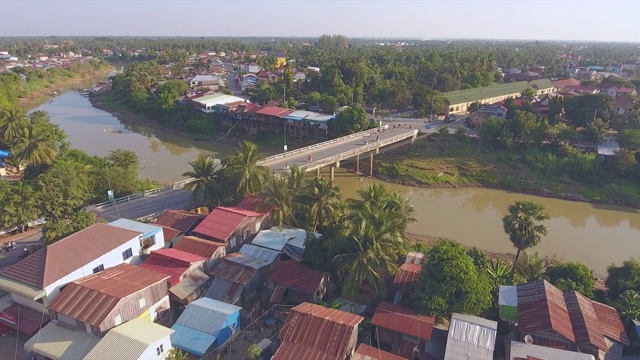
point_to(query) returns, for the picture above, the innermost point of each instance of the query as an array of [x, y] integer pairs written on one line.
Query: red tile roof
[[274, 111], [626, 90], [67, 255], [541, 307], [169, 233], [234, 272], [183, 221], [171, 262], [199, 246], [366, 352], [586, 328], [403, 320], [319, 328], [92, 298], [407, 277], [610, 322], [560, 84], [220, 224], [296, 276]]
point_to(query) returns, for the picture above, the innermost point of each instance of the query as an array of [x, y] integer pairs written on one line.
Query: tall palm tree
[[321, 198], [36, 145], [207, 177], [522, 224], [279, 195], [243, 165], [296, 179], [12, 124]]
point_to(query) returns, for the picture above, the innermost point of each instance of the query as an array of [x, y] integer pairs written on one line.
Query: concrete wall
[[152, 351]]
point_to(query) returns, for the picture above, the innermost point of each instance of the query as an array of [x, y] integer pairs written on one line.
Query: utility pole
[[284, 97]]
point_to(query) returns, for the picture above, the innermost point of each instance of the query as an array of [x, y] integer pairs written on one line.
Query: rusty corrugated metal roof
[[294, 275], [253, 203], [198, 246], [180, 220], [220, 223], [403, 320], [541, 307], [586, 328], [92, 298], [366, 352], [406, 279], [291, 351], [610, 322], [169, 233], [67, 255], [171, 262], [322, 329], [234, 272]]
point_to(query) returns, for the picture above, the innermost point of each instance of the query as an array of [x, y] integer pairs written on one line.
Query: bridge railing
[[360, 150], [318, 146]]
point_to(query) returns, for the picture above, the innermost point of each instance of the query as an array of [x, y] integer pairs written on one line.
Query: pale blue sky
[[604, 20]]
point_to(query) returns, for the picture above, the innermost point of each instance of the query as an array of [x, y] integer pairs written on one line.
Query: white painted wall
[[152, 353]]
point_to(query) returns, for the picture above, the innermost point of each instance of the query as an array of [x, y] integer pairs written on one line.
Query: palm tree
[[522, 224], [243, 165], [12, 124], [321, 198], [279, 195], [296, 179], [36, 145], [207, 177], [531, 267]]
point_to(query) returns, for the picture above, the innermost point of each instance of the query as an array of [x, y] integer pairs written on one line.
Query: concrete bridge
[[332, 152]]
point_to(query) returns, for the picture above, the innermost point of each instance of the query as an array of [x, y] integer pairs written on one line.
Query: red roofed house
[[187, 279], [177, 220], [569, 321], [581, 89], [560, 84], [271, 117], [627, 91], [366, 352], [406, 279], [293, 282], [211, 250], [36, 281], [399, 329], [235, 225], [319, 333]]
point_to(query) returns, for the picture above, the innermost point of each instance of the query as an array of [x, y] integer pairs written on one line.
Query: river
[[596, 235]]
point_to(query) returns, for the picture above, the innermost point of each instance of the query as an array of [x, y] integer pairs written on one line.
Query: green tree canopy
[[169, 92], [622, 278], [523, 225], [351, 120], [571, 276]]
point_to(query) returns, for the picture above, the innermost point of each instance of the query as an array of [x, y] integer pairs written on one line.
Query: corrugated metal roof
[[169, 233], [610, 322], [56, 342], [189, 284], [180, 220], [146, 229], [92, 298], [233, 272], [291, 351], [225, 291], [171, 263], [67, 255], [320, 328], [199, 246], [366, 352], [278, 294], [406, 279], [180, 255], [530, 351], [191, 340], [220, 224], [586, 328], [541, 307], [253, 203], [415, 257], [296, 276], [131, 339], [470, 335], [267, 255], [403, 320], [207, 315], [246, 260], [274, 111], [276, 239]]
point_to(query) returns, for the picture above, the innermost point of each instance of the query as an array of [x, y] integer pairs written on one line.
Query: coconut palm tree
[[12, 124], [36, 145], [279, 195], [522, 224], [321, 196], [243, 166], [207, 178], [296, 179]]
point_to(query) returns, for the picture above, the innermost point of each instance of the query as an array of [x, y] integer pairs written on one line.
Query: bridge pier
[[357, 163], [371, 164], [332, 170], [317, 172]]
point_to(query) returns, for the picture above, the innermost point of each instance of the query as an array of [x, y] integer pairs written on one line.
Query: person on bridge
[[309, 158], [377, 138]]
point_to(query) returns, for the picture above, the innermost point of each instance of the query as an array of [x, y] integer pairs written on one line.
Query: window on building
[[159, 350], [97, 269], [127, 254]]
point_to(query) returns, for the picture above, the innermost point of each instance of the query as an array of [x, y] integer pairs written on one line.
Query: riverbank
[[452, 161]]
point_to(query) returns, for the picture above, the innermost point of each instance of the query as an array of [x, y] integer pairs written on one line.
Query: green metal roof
[[542, 84], [477, 94]]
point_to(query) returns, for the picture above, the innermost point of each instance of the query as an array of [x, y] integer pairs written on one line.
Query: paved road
[[147, 205], [231, 80], [31, 237], [278, 166]]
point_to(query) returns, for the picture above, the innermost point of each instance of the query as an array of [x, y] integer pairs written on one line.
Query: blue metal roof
[[4, 153], [145, 229], [191, 340]]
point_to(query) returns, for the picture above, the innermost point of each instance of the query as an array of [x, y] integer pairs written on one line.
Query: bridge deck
[[326, 155]]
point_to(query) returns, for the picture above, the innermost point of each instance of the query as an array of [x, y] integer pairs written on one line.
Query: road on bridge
[[278, 165], [147, 205]]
